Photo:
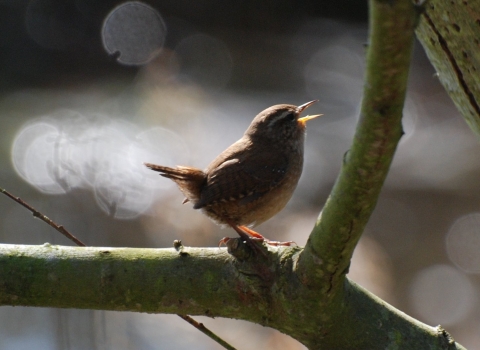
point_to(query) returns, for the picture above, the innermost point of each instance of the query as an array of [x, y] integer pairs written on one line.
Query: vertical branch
[[326, 257]]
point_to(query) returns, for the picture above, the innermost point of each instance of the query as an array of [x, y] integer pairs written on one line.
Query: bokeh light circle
[[69, 150], [441, 294], [35, 149], [463, 243], [135, 32]]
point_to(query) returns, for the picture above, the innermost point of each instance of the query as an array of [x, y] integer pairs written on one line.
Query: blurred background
[[90, 90]]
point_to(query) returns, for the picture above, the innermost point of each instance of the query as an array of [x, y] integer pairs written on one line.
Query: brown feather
[[188, 179]]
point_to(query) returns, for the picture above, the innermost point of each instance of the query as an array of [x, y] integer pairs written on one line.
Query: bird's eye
[[290, 117]]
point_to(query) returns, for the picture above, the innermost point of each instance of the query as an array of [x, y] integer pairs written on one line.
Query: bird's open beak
[[301, 108], [304, 120]]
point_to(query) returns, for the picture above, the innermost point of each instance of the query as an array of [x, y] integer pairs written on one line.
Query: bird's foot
[[257, 236], [247, 237], [250, 241], [225, 240], [252, 238]]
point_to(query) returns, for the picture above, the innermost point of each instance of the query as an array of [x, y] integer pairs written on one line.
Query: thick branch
[[144, 280], [207, 281], [450, 34], [193, 281], [330, 246]]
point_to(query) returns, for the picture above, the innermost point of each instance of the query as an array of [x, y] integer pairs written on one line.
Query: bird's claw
[[258, 237], [223, 241]]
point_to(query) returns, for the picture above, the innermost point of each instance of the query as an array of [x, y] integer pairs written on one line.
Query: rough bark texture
[[211, 282], [450, 34]]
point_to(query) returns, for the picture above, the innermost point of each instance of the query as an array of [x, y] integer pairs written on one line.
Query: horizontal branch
[[124, 279], [210, 282]]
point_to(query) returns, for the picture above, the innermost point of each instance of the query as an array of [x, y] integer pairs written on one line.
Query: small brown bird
[[254, 178]]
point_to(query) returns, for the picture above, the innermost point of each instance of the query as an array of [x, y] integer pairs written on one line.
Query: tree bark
[[210, 282], [449, 31]]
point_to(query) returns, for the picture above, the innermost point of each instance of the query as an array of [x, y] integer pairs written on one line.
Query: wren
[[254, 178]]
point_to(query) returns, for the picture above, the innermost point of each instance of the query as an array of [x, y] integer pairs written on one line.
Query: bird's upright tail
[[189, 180]]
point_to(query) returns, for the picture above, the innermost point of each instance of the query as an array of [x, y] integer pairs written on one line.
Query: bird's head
[[280, 122]]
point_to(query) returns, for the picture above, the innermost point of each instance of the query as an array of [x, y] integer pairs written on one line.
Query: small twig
[[44, 218], [78, 242], [207, 332]]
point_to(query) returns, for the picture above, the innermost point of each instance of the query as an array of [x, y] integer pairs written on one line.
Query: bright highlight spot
[[134, 32], [100, 154], [441, 294], [463, 243]]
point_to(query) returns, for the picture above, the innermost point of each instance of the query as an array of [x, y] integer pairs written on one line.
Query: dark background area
[[65, 44]]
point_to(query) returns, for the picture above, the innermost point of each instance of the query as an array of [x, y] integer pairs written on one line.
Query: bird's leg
[[250, 236], [253, 234], [246, 237], [258, 237]]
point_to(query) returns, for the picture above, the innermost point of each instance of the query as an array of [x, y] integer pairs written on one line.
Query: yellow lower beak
[[305, 119]]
